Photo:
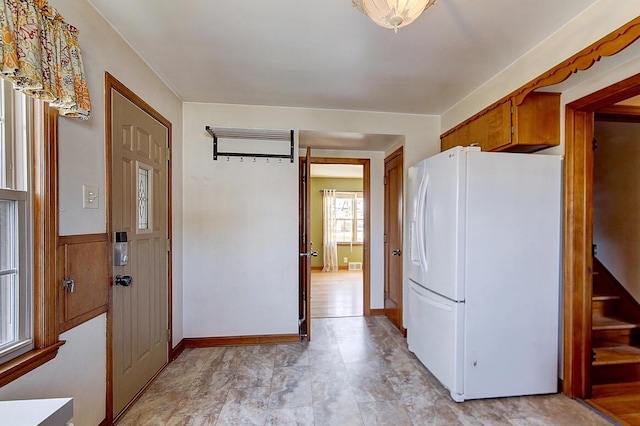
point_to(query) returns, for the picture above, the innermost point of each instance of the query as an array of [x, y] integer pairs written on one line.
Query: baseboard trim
[[340, 268], [105, 422], [175, 352], [204, 342], [376, 311]]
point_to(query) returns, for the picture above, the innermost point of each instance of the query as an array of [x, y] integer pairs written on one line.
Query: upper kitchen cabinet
[[531, 126]]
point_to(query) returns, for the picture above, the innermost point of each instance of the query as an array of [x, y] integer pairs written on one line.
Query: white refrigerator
[[483, 296]]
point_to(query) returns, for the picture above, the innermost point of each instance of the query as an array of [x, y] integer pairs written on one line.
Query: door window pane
[[144, 191]]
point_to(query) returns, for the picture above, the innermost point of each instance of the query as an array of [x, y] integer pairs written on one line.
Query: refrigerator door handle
[[421, 222]]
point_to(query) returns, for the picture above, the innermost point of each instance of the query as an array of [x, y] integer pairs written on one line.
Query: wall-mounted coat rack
[[250, 134]]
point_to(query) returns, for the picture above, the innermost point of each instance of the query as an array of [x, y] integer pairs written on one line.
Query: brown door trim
[[366, 246], [578, 231], [112, 83], [397, 154]]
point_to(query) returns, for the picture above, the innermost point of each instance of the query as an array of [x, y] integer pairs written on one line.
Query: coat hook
[[280, 160], [267, 160], [254, 159], [241, 159], [228, 158]]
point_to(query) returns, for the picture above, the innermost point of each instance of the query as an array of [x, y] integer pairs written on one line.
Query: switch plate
[[90, 198]]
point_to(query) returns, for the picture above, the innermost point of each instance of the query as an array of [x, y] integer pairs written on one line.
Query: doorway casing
[[366, 193], [578, 231]]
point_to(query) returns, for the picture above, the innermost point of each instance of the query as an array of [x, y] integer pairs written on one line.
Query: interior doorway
[[339, 214], [582, 318]]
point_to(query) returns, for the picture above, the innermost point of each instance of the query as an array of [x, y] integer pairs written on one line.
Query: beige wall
[[595, 22], [353, 253], [616, 206]]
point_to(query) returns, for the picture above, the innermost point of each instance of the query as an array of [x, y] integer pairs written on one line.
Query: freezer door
[[435, 336], [440, 223]]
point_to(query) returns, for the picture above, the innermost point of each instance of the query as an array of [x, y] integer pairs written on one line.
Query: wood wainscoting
[[85, 260]]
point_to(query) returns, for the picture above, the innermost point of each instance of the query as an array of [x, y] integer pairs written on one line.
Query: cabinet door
[[460, 137], [537, 122], [493, 129]]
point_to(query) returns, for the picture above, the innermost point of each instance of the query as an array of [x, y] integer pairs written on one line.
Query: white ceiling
[[325, 54]]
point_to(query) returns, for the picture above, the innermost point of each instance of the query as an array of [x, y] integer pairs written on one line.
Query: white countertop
[[37, 412]]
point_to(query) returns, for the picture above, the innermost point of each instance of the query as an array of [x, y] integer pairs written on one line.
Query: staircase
[[615, 335]]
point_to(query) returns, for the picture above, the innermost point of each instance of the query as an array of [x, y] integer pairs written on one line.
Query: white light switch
[[90, 197]]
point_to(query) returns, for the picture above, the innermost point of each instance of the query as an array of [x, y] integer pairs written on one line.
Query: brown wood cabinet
[[531, 126]]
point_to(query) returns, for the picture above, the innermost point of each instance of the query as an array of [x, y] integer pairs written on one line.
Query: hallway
[[356, 371], [336, 294]]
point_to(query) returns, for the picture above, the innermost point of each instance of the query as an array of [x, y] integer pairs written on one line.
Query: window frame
[[355, 196], [21, 269], [44, 227]]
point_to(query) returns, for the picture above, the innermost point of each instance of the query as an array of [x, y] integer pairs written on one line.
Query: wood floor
[[620, 401], [336, 294]]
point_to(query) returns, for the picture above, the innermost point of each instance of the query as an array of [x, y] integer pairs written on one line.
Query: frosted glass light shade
[[393, 14]]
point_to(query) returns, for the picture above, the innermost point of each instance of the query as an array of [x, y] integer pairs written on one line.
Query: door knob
[[396, 252], [124, 281]]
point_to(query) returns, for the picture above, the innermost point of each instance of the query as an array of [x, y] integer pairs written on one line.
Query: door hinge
[[168, 244], [513, 129], [594, 144], [385, 238], [168, 334], [512, 109], [594, 250], [385, 180], [168, 154]]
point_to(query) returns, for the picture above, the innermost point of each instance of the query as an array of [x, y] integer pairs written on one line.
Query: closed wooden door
[[393, 171], [139, 208]]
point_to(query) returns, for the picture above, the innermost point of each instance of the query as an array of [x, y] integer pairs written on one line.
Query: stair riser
[[623, 373], [604, 338], [604, 308]]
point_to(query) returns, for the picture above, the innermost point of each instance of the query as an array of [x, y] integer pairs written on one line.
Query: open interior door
[[393, 171], [305, 246]]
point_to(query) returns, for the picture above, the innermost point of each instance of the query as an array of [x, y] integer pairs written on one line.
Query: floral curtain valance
[[41, 56]]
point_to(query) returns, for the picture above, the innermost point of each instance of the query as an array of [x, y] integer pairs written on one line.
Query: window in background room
[[16, 288], [349, 217]]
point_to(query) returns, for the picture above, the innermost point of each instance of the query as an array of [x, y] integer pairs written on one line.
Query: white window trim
[[17, 133]]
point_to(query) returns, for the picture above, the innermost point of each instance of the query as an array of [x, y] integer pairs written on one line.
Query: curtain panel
[[329, 242], [41, 56]]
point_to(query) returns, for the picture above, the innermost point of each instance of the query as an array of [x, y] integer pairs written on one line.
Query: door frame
[[395, 154], [578, 231], [111, 83], [366, 245]]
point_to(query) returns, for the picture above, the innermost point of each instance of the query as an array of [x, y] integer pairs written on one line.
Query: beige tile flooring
[[336, 294], [356, 371]]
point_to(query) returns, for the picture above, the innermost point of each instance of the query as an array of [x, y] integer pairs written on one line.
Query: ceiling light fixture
[[392, 14]]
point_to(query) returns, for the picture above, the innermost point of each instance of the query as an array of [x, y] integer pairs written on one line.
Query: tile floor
[[356, 371]]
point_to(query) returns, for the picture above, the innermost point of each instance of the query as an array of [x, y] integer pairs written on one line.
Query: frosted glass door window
[[144, 192]]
